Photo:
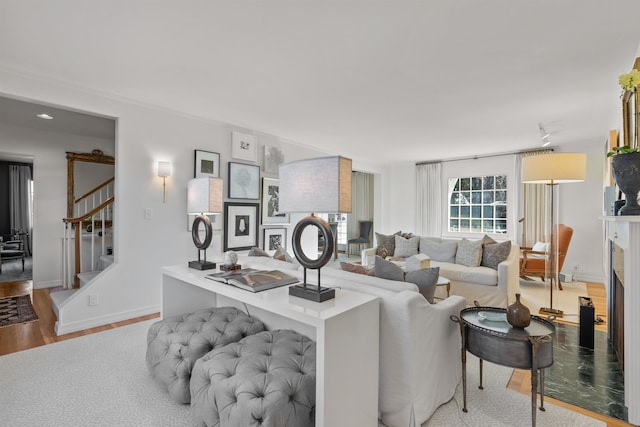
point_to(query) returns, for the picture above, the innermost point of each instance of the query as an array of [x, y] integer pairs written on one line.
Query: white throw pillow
[[540, 247]]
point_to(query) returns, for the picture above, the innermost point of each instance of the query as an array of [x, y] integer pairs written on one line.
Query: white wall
[[581, 207], [145, 135], [50, 190]]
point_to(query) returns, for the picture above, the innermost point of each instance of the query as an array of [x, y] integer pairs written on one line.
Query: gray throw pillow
[[388, 270], [258, 252], [494, 254], [406, 247], [387, 242], [486, 240], [282, 255], [443, 252], [356, 268], [469, 253], [425, 279]]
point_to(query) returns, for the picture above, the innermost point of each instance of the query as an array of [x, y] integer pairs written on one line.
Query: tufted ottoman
[[267, 379], [175, 343]]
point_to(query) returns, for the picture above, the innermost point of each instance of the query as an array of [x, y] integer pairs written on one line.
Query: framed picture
[[273, 239], [207, 163], [240, 226], [270, 212], [244, 147], [244, 181], [273, 156]]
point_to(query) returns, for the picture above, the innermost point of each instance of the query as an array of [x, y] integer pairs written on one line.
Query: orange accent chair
[[532, 263]]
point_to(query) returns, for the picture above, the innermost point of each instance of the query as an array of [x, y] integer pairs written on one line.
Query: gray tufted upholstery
[[267, 380], [174, 344]]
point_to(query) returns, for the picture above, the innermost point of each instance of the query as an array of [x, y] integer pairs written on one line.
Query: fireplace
[[616, 305], [623, 285]]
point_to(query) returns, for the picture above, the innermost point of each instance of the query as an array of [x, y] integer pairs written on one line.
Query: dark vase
[[518, 314], [626, 172]]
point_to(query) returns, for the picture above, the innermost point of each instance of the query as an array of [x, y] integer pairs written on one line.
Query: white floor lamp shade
[[318, 185], [553, 169]]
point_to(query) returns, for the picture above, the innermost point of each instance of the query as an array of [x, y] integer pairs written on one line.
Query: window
[[478, 204]]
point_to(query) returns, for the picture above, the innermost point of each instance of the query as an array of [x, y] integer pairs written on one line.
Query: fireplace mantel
[[624, 232]]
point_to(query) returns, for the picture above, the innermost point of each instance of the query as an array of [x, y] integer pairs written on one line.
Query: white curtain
[[534, 205], [361, 202], [20, 203], [429, 199]]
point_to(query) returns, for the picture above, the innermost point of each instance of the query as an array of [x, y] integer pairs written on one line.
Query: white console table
[[624, 232], [345, 329]]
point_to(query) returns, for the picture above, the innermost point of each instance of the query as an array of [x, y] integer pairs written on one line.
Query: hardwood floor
[[41, 332]]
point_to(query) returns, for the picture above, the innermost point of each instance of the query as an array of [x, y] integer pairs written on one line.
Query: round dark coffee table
[[486, 334]]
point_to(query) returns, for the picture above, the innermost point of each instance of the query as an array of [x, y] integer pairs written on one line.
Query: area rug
[[102, 380], [535, 295], [15, 310], [12, 270]]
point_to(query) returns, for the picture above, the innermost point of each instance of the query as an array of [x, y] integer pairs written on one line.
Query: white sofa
[[491, 288], [419, 344]]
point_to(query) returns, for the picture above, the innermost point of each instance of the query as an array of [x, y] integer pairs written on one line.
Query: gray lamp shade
[[554, 168], [319, 185], [204, 196]]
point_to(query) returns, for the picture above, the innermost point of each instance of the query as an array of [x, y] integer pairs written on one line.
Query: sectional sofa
[[420, 363], [492, 279]]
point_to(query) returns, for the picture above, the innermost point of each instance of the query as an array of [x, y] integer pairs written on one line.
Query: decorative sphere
[[230, 258]]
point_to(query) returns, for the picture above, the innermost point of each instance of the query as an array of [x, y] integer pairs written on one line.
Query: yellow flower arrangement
[[630, 81]]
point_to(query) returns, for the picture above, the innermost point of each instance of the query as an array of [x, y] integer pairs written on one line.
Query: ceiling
[[380, 81]]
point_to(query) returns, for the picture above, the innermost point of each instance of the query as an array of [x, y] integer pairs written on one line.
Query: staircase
[[88, 236], [83, 279]]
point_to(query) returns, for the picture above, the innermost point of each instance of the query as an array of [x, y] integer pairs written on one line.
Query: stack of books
[[254, 280]]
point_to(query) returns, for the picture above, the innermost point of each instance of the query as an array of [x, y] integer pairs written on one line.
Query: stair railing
[[94, 215]]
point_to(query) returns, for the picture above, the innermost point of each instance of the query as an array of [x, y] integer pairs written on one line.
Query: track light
[[544, 135]]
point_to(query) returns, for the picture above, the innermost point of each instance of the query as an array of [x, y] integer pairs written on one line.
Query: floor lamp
[[553, 169]]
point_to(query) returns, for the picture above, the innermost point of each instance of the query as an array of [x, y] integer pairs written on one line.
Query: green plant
[[622, 150], [630, 81]]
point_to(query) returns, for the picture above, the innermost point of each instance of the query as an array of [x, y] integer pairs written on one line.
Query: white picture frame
[[244, 146], [270, 214], [274, 237], [244, 181], [273, 156]]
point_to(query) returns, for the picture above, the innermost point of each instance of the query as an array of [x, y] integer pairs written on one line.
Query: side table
[[486, 334], [443, 281]]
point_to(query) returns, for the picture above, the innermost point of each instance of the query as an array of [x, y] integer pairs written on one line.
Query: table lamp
[[204, 197], [553, 169], [318, 185]]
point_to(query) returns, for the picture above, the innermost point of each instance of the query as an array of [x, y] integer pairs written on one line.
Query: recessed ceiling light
[[44, 116]]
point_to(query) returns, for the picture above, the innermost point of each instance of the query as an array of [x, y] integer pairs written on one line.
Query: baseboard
[[104, 320], [588, 278], [49, 284]]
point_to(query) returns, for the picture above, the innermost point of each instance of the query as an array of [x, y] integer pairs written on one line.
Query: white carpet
[[102, 380], [534, 294]]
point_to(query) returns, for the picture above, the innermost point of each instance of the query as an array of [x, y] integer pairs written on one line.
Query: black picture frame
[[241, 225], [206, 164]]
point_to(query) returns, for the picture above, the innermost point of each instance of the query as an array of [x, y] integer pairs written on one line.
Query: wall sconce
[[164, 170]]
